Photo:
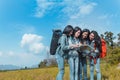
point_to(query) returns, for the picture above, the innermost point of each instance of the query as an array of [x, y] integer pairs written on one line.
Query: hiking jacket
[[75, 51], [63, 47], [96, 52]]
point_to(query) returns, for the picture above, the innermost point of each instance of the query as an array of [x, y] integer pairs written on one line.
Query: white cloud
[[1, 53], [77, 13], [92, 23], [33, 43], [87, 8], [11, 53], [33, 51], [71, 8], [42, 7], [75, 9]]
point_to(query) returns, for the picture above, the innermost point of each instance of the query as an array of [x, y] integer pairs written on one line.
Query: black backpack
[[54, 41]]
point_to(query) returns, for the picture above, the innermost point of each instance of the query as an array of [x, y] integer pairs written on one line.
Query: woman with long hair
[[63, 49], [95, 42], [82, 57], [73, 55]]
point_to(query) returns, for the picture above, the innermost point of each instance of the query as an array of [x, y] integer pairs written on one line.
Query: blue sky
[[26, 25]]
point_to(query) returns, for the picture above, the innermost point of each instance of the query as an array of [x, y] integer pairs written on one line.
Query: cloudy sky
[[26, 25]]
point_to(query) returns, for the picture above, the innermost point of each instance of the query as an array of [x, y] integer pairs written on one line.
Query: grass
[[108, 73]]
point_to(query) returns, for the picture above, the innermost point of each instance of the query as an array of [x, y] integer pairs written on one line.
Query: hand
[[93, 55], [74, 45], [80, 44], [92, 51]]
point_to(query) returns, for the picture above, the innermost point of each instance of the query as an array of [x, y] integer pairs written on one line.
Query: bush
[[113, 55]]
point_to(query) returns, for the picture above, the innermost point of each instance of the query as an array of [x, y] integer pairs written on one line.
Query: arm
[[64, 43]]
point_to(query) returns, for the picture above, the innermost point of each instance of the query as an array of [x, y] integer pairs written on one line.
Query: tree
[[109, 37], [102, 36], [42, 63], [118, 38], [26, 67], [52, 62], [48, 63]]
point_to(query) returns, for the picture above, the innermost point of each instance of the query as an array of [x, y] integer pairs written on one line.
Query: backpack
[[104, 48], [54, 41]]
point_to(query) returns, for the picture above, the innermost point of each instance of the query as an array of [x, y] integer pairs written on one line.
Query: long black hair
[[97, 40], [77, 29], [67, 30], [87, 39]]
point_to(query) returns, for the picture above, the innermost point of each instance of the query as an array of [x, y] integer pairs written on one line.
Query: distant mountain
[[9, 67], [34, 66]]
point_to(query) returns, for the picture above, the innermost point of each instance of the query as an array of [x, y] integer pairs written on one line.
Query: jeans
[[60, 61], [83, 68], [97, 66], [73, 64]]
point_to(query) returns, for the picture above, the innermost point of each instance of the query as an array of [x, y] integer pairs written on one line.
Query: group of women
[[70, 42]]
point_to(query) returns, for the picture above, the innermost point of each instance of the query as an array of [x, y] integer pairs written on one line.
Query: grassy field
[[108, 73]]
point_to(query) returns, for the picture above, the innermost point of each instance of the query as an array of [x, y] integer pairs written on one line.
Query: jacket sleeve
[[64, 43], [95, 51]]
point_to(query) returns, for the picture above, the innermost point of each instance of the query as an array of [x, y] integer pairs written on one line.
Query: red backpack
[[104, 48]]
